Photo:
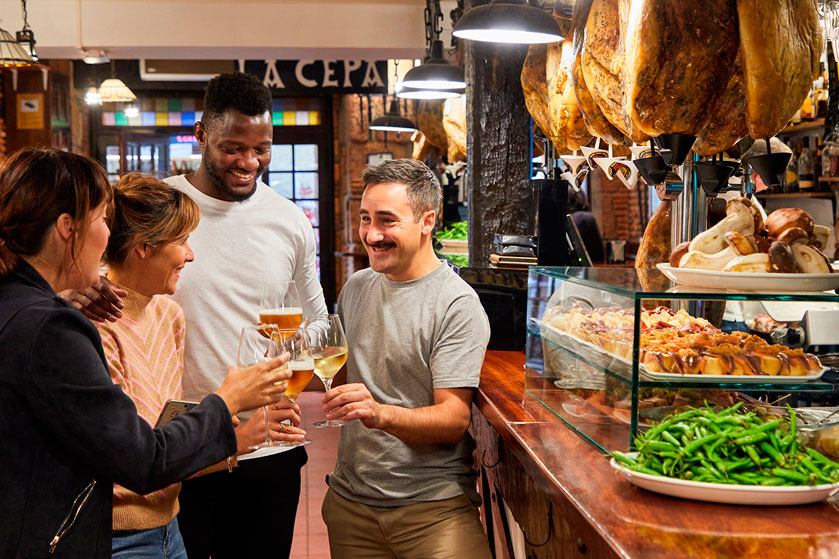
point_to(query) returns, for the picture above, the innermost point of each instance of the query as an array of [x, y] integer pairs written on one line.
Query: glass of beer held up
[[302, 367], [280, 305], [260, 343]]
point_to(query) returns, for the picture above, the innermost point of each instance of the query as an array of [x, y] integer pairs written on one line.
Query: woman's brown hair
[[38, 185], [147, 211]]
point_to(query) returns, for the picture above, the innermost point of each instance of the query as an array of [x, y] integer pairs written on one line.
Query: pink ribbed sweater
[[145, 352]]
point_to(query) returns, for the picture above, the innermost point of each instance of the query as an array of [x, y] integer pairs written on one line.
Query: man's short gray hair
[[424, 192]]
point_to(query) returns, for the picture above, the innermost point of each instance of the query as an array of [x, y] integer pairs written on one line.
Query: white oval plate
[[728, 494], [741, 281]]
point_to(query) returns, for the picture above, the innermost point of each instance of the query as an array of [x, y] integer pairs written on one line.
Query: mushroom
[[761, 242], [811, 260], [787, 218], [699, 260], [756, 263], [794, 235], [822, 236], [740, 243], [676, 256], [741, 216], [781, 258]]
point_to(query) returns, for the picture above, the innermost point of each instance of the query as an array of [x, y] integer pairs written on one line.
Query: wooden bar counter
[[570, 503]]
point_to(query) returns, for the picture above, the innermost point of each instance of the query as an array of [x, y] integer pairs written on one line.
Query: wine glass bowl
[[259, 343], [328, 347], [300, 363]]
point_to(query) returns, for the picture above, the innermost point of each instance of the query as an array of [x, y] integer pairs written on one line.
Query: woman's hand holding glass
[[282, 426], [254, 382]]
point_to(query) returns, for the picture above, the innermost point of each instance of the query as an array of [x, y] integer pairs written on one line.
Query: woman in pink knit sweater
[[150, 225]]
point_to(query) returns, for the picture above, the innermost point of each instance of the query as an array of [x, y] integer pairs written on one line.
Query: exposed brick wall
[[353, 143], [620, 213]]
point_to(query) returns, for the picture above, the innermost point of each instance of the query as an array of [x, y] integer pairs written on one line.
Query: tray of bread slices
[[746, 252], [675, 346]]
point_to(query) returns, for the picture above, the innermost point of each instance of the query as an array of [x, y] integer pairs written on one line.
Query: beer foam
[[306, 364], [285, 311]]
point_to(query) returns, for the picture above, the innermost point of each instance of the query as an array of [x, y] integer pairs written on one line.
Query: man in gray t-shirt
[[404, 484]]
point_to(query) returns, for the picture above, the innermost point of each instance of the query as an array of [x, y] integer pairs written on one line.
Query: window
[[293, 173]]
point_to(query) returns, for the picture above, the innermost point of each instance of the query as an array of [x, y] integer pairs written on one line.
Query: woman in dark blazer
[[67, 432]]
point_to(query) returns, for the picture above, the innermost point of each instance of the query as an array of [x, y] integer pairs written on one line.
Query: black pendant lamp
[[507, 21], [393, 121], [416, 93], [435, 73]]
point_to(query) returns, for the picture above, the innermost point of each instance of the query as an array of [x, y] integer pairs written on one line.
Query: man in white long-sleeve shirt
[[248, 237]]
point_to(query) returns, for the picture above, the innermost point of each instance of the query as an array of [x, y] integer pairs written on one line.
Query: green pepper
[[670, 439], [692, 447], [791, 475], [771, 451], [751, 439]]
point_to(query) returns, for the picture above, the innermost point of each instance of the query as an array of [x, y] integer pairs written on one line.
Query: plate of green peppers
[[730, 456]]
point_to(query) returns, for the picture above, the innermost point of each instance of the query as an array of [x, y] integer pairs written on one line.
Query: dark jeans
[[247, 513]]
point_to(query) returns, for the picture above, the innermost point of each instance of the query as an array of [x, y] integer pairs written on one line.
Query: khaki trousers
[[447, 529]]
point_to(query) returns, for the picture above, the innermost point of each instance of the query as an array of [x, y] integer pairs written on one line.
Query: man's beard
[[218, 180]]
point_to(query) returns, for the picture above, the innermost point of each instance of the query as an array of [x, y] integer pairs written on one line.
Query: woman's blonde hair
[[147, 211]]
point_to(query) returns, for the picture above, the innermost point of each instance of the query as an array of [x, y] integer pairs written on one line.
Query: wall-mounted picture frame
[[376, 158]]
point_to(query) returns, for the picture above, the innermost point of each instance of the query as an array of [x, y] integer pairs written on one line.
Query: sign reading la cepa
[[323, 76]]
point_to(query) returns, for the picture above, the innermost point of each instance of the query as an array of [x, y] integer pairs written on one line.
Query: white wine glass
[[328, 347], [302, 367], [280, 305], [258, 343]]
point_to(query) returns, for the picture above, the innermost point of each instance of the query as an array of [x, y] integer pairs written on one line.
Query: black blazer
[[64, 424]]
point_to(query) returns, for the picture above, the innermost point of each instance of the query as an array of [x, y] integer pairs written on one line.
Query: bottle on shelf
[[817, 164], [806, 168], [830, 158], [791, 182]]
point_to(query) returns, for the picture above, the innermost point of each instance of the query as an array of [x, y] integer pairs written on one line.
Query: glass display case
[[609, 355]]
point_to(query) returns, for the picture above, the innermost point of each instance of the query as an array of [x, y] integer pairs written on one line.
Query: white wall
[[224, 29]]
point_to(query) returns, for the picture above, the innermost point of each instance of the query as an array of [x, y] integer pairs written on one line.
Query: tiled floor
[[310, 540]]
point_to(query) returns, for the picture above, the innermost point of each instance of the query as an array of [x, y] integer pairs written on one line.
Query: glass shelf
[[626, 283], [611, 367]]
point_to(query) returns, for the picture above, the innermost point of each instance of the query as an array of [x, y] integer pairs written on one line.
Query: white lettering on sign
[[350, 66], [272, 77], [329, 73], [298, 73], [372, 77]]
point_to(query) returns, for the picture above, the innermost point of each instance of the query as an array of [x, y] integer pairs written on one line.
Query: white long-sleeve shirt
[[239, 247]]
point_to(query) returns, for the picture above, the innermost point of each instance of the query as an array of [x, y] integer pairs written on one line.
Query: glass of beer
[[280, 305], [302, 367], [258, 343], [328, 347]]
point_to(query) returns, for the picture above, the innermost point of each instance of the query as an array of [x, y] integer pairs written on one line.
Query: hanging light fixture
[[435, 75], [435, 72], [507, 21], [415, 93], [113, 90], [92, 97], [26, 37], [12, 54], [393, 121]]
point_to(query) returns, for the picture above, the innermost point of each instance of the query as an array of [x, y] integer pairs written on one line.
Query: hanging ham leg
[[781, 42]]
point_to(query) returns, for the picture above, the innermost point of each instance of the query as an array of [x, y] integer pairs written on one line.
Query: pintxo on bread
[[676, 342]]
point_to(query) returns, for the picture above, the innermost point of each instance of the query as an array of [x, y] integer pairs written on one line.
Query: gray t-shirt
[[407, 339]]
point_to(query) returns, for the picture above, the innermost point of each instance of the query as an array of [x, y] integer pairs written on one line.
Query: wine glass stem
[[267, 425], [328, 383]]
